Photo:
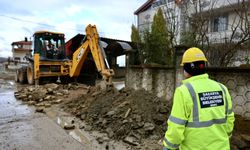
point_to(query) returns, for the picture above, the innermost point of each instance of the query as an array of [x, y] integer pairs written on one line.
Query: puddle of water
[[10, 106]]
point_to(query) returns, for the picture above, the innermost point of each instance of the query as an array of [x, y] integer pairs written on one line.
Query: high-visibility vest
[[201, 116]]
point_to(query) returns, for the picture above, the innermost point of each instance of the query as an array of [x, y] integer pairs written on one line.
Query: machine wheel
[[16, 76], [22, 77], [30, 75]]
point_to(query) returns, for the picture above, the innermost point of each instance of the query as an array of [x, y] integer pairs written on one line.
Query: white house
[[20, 49], [223, 21], [172, 14], [227, 22]]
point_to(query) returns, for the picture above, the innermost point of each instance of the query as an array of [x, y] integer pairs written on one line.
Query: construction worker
[[201, 116]]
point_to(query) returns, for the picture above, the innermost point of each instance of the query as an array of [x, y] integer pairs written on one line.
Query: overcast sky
[[21, 18]]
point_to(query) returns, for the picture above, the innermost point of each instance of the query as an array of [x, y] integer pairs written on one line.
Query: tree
[[136, 57], [147, 47], [156, 43], [135, 37]]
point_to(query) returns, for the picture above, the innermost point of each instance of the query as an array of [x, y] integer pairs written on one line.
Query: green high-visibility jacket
[[201, 116]]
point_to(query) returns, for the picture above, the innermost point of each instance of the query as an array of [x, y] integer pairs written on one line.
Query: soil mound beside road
[[126, 115], [134, 117]]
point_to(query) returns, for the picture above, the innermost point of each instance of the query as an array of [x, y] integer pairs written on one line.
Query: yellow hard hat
[[193, 54]]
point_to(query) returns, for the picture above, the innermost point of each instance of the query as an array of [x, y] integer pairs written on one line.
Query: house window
[[220, 23], [158, 3], [17, 58]]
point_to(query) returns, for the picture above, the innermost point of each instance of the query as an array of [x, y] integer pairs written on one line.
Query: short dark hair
[[195, 68]]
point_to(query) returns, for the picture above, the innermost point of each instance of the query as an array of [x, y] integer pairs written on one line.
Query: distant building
[[218, 21], [20, 49], [227, 23], [172, 14], [3, 64]]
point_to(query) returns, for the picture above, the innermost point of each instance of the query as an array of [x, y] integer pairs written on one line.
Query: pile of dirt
[[127, 115], [136, 117], [241, 134]]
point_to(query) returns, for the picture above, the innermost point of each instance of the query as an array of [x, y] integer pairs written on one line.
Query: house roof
[[144, 7], [22, 43], [148, 4]]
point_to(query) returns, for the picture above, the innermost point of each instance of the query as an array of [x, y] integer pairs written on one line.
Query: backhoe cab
[[49, 45]]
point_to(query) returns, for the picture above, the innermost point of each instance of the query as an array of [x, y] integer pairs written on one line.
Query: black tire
[[22, 75], [30, 75]]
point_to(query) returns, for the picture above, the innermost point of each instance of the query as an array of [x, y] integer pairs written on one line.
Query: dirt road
[[22, 129]]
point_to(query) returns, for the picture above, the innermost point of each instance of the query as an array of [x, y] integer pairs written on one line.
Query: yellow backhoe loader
[[49, 61]]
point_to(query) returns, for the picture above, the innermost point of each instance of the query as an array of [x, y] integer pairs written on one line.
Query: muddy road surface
[[22, 129]]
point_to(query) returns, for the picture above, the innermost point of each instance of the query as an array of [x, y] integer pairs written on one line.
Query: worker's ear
[[186, 74]]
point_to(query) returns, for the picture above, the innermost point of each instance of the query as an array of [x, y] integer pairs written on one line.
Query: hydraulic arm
[[91, 43]]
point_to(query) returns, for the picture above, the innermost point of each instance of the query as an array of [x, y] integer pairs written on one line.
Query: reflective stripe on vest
[[171, 144], [177, 120], [195, 108], [198, 124]]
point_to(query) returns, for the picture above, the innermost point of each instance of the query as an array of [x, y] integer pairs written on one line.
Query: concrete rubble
[[45, 95], [134, 117]]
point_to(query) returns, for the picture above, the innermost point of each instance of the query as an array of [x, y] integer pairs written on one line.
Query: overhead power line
[[37, 23], [101, 33]]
